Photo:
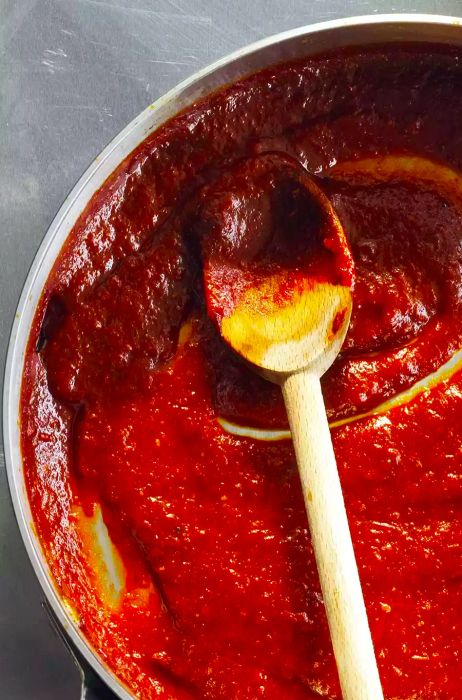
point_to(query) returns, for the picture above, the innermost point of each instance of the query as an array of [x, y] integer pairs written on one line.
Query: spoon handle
[[330, 534]]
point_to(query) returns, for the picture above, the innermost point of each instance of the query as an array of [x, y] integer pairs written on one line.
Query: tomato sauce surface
[[141, 428]]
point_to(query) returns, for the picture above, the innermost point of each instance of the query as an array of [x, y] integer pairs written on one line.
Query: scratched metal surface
[[72, 74]]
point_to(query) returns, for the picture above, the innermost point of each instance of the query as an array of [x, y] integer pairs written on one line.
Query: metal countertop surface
[[73, 73]]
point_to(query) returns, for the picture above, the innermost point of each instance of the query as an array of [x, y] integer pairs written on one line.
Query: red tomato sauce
[[125, 379]]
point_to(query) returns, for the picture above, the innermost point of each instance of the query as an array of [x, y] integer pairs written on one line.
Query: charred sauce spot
[[53, 318], [338, 321]]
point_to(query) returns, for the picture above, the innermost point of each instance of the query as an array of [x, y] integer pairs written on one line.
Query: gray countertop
[[72, 74]]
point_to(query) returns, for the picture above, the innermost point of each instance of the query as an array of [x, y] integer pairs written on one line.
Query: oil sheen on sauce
[[159, 468]]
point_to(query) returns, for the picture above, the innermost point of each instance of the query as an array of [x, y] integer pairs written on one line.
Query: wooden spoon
[[289, 320]]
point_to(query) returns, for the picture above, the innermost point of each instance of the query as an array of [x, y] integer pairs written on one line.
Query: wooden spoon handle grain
[[330, 534]]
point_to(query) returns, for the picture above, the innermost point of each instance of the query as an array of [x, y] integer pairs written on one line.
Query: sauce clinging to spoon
[[271, 242]]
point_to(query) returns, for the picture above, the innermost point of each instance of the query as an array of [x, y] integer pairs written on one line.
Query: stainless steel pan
[[359, 31]]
